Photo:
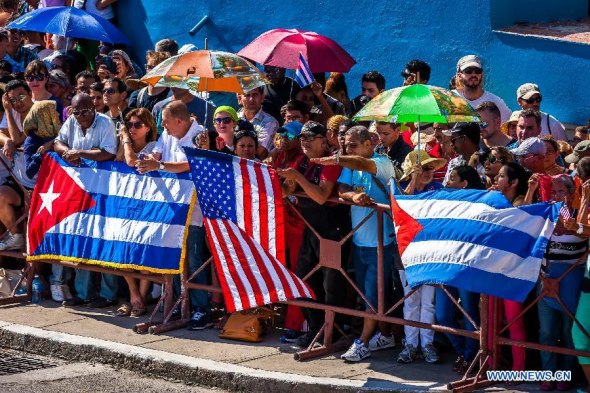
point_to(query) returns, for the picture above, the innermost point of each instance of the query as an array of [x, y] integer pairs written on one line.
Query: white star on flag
[[48, 198]]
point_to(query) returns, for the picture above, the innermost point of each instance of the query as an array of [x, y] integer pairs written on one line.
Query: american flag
[[242, 207], [303, 75], [564, 212]]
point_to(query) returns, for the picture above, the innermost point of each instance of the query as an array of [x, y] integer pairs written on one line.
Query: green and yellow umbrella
[[418, 103]]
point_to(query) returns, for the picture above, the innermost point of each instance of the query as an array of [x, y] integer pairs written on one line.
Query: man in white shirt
[[168, 156], [17, 102], [90, 135], [469, 81], [529, 97]]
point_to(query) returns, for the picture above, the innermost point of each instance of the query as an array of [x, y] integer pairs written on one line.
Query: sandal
[[138, 311], [124, 310]]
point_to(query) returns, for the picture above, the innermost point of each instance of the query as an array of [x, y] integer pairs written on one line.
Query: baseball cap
[[581, 150], [527, 90], [469, 61], [290, 130], [530, 146], [312, 128], [465, 129]]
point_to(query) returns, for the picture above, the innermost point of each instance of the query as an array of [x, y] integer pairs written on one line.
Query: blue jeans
[[195, 243], [84, 283], [60, 274], [447, 314], [555, 325], [365, 271]]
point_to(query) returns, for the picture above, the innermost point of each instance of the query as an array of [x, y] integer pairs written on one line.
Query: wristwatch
[[161, 166], [580, 229]]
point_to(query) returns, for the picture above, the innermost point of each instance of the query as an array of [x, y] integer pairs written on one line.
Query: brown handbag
[[248, 325]]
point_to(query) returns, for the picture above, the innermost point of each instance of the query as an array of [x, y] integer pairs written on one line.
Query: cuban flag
[[105, 213], [472, 239], [303, 75], [242, 206]]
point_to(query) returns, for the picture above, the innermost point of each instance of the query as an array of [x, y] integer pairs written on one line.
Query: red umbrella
[[281, 47]]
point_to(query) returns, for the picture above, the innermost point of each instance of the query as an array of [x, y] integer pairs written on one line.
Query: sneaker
[[66, 290], [430, 354], [57, 293], [305, 339], [12, 242], [199, 321], [357, 352], [408, 354], [290, 336], [379, 342]]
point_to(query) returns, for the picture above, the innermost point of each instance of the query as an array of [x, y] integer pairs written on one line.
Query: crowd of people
[[85, 101]]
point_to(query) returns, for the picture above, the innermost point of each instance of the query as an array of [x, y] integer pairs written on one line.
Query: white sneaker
[[67, 293], [57, 293], [357, 352], [379, 342], [12, 242]]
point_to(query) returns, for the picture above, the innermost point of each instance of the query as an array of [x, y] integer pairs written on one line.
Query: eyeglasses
[[483, 125], [427, 168], [134, 124], [534, 100], [31, 77], [15, 32], [224, 120], [82, 112], [472, 70], [110, 90], [453, 140], [493, 159], [19, 98]]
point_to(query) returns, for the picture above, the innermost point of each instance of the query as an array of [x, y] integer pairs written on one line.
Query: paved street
[[64, 377]]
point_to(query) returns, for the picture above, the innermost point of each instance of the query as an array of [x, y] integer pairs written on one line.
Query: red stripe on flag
[[229, 301], [262, 206], [279, 218], [231, 269], [247, 190], [245, 263]]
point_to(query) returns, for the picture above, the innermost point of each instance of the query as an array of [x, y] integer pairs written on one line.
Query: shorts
[[12, 184]]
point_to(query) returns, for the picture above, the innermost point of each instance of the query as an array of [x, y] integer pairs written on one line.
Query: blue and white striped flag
[[303, 75], [471, 239]]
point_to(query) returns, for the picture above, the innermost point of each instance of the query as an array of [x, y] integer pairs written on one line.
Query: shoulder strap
[[548, 125], [380, 184]]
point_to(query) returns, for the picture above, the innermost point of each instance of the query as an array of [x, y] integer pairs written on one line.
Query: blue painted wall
[[384, 35]]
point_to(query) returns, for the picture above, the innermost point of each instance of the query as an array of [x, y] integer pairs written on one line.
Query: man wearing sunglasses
[[17, 102], [115, 98], [491, 134], [529, 97], [465, 138], [16, 52], [470, 81], [90, 135]]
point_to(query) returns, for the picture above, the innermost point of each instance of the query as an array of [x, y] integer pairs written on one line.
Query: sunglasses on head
[[224, 120], [110, 90], [82, 112], [244, 133], [472, 70], [19, 98], [31, 77], [534, 100], [493, 159], [134, 124]]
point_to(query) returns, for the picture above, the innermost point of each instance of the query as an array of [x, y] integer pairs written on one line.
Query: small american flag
[[564, 212], [303, 75], [243, 210]]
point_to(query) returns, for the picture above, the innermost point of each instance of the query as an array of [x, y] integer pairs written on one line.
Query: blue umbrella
[[69, 22]]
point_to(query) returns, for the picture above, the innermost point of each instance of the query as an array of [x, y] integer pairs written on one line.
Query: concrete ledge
[[177, 367]]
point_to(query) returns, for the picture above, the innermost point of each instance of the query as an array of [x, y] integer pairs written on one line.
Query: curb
[[177, 367]]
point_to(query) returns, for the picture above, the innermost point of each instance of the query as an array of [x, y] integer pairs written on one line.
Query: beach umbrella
[[281, 48], [69, 22]]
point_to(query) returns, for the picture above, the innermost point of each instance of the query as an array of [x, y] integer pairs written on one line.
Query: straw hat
[[425, 159], [513, 118]]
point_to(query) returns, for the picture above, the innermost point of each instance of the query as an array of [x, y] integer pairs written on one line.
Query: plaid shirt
[[22, 58], [265, 126]]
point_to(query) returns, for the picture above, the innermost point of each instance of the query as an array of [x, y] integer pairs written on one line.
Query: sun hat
[[411, 161]]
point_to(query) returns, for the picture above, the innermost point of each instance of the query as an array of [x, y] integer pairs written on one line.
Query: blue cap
[[291, 130]]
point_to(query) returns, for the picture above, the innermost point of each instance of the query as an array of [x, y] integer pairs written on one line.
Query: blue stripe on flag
[[139, 210], [83, 247], [493, 199], [470, 279], [481, 233]]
